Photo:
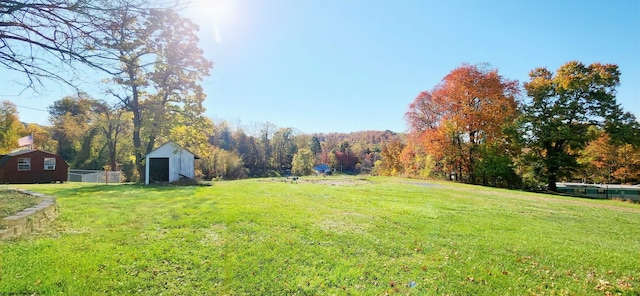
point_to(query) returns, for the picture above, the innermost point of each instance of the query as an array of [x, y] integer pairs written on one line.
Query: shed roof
[[321, 167], [5, 158], [175, 145]]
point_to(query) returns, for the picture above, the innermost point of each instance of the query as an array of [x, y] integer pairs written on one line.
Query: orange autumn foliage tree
[[391, 163], [605, 162], [597, 159], [468, 108], [416, 162], [628, 164]]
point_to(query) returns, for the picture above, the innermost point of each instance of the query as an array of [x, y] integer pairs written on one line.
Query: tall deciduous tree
[[42, 138], [302, 163], [597, 159], [249, 151], [179, 67], [89, 132], [342, 157], [10, 127], [391, 163], [283, 148], [495, 167], [628, 164], [114, 124], [469, 107], [71, 117], [416, 162], [161, 67], [561, 109], [223, 136], [264, 146], [603, 160], [314, 145]]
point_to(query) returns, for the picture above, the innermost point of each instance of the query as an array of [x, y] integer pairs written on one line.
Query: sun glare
[[210, 15]]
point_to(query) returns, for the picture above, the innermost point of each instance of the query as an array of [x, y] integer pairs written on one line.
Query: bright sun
[[211, 15]]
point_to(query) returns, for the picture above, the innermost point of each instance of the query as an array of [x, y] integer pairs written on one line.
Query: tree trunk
[[552, 163], [472, 150], [551, 180], [112, 156], [137, 146], [137, 124]]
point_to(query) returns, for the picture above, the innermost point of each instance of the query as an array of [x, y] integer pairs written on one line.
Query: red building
[[32, 166]]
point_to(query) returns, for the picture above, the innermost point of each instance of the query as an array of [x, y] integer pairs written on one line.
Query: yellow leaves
[[391, 159], [540, 73], [575, 77]]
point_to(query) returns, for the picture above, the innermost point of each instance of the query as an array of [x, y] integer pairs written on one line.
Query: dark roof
[[20, 152], [321, 167], [26, 151], [5, 158]]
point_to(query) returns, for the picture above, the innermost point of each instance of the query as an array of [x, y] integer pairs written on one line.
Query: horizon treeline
[[87, 138], [475, 126]]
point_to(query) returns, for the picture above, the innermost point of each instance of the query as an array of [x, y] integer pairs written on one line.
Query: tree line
[[89, 136], [476, 126]]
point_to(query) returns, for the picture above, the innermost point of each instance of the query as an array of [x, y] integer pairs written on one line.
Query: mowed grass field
[[325, 236]]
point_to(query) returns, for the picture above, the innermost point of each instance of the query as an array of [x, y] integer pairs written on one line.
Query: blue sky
[[352, 65]]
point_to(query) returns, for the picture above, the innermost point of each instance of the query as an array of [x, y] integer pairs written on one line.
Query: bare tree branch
[[53, 39]]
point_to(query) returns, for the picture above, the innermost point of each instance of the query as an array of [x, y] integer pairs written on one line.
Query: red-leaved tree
[[467, 109]]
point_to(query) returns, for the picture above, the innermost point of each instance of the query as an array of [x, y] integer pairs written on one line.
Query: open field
[[337, 235]]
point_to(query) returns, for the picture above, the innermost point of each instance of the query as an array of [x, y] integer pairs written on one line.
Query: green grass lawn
[[334, 236], [12, 202]]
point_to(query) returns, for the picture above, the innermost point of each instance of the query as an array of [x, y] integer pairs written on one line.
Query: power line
[[32, 108]]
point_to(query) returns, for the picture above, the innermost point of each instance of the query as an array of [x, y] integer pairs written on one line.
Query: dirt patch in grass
[[337, 182], [344, 223], [426, 184], [332, 181], [214, 236], [12, 202]]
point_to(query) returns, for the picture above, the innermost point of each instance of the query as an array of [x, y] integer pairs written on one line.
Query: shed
[[168, 163], [32, 166]]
